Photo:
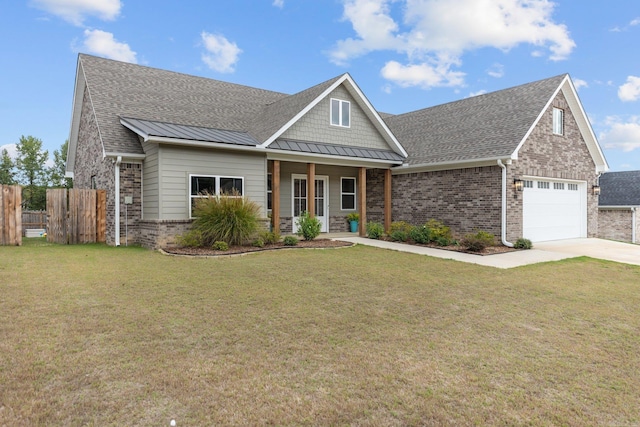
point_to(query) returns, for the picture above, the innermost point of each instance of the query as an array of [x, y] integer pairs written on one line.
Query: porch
[[336, 190]]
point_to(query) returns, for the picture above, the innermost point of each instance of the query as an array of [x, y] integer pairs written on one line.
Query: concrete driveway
[[541, 252], [626, 253]]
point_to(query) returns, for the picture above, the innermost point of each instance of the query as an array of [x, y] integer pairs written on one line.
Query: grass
[[93, 335]]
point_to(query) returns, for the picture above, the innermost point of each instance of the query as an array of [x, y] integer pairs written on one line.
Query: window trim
[[216, 184], [354, 194], [340, 123], [558, 121]]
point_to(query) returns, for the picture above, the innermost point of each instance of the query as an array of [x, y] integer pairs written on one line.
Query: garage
[[554, 209]]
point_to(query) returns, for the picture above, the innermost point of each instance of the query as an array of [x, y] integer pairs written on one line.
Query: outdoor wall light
[[518, 184], [596, 190]]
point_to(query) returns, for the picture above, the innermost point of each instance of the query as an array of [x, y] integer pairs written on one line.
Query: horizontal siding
[[177, 163], [315, 126], [150, 182], [333, 172]]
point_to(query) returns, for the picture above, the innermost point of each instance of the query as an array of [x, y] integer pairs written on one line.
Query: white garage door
[[554, 210]]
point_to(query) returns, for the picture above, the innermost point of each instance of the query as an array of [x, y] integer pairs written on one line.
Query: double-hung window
[[558, 121], [340, 113], [348, 194], [200, 186]]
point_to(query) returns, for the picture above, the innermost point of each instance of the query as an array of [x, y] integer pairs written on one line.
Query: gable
[[315, 126]]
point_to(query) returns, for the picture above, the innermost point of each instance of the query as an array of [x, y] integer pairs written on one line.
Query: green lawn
[[91, 335]]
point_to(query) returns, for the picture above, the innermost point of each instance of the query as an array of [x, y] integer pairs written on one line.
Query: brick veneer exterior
[[615, 224], [470, 199]]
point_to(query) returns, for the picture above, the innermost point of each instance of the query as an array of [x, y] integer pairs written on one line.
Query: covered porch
[[335, 189]]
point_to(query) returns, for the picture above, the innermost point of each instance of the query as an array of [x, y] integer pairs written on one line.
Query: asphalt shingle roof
[[120, 89], [485, 126], [620, 189]]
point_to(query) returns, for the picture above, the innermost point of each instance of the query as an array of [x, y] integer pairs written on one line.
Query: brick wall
[[157, 233], [466, 200], [130, 214], [554, 156], [615, 224]]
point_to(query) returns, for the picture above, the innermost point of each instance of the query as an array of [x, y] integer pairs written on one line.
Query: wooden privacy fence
[[76, 215], [10, 215], [34, 219]]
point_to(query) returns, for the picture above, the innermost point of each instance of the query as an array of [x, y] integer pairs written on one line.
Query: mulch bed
[[235, 250], [318, 244]]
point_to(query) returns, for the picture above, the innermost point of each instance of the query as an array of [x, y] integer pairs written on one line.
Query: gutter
[[503, 227], [117, 191]]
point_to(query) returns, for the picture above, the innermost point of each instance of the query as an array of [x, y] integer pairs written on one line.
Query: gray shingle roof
[[336, 150], [120, 89], [485, 126], [193, 133], [620, 189]]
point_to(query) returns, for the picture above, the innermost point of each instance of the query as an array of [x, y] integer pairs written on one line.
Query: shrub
[[227, 218], [523, 243], [190, 239], [399, 236], [438, 230], [421, 235], [258, 243], [442, 241], [220, 246], [375, 230], [308, 227], [479, 241], [290, 241], [270, 237]]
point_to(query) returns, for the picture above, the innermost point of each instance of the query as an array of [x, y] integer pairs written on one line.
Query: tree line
[[30, 170]]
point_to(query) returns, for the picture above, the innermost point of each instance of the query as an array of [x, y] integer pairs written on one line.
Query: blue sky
[[404, 54]]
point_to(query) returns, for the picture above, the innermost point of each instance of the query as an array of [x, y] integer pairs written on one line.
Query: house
[[619, 202], [517, 162]]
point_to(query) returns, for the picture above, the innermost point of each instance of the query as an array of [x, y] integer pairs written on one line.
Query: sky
[[404, 54]]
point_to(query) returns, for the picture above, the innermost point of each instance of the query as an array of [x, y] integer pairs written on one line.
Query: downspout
[[633, 225], [503, 233], [117, 178]]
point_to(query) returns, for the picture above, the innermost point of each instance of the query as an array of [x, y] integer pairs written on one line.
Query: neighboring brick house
[[154, 139], [618, 206]]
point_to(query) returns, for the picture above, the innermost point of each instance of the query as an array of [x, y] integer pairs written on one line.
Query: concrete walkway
[[542, 252]]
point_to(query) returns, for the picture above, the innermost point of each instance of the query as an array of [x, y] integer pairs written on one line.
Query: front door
[[299, 202]]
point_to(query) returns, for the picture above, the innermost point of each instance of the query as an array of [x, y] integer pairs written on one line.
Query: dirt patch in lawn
[[236, 250]]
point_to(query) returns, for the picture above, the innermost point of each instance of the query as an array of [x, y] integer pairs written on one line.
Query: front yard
[[92, 335]]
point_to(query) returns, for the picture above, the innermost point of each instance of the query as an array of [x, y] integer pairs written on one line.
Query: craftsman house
[[517, 162]]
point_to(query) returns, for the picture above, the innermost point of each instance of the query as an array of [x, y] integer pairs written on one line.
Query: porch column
[[275, 197], [387, 200], [362, 201], [311, 189]]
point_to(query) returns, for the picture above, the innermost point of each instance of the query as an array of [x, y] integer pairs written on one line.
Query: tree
[[30, 163], [57, 171], [7, 172]]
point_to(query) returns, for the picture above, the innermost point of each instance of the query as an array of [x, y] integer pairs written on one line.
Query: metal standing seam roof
[[336, 150], [620, 189], [480, 127], [193, 133]]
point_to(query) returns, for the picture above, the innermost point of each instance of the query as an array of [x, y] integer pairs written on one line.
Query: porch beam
[[275, 197], [311, 189], [387, 200], [362, 201]]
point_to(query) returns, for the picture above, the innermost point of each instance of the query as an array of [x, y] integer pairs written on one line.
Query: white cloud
[[422, 75], [104, 44], [278, 3], [436, 33], [630, 91], [480, 92], [76, 11], [221, 54], [635, 22], [496, 70], [11, 149], [621, 135], [579, 83]]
